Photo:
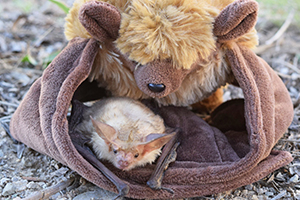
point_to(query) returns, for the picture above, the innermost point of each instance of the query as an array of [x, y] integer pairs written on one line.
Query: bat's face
[[129, 134], [126, 159], [127, 154]]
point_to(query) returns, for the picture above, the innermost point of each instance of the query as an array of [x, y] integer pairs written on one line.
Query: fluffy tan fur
[[131, 120], [168, 29], [180, 30]]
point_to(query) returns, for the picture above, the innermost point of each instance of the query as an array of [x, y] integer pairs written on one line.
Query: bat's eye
[[136, 155], [115, 151]]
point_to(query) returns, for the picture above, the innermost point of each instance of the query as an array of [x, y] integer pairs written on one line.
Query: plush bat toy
[[176, 53]]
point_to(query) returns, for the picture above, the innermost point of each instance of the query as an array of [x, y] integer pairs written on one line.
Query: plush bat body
[[124, 132], [166, 50]]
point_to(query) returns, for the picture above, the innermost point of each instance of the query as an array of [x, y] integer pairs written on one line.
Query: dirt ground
[[33, 32]]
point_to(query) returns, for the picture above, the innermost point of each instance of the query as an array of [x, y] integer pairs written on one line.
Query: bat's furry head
[[124, 132]]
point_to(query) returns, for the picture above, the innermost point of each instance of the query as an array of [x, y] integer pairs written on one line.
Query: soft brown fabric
[[235, 149], [106, 20], [229, 26], [160, 72]]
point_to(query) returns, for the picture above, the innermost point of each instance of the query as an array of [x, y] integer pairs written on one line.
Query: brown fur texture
[[154, 32], [234, 150]]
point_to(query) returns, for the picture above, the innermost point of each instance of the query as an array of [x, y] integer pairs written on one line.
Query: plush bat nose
[[156, 87]]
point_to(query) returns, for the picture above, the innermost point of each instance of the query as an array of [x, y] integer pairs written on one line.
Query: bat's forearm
[[90, 157], [168, 155]]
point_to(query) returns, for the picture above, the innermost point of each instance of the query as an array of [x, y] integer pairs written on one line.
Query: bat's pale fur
[[131, 123], [180, 30]]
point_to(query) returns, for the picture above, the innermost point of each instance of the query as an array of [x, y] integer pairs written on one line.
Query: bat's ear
[[105, 131], [237, 19], [155, 141]]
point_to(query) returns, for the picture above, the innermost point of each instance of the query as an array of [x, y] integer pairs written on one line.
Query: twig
[[8, 104], [287, 76], [289, 140], [269, 43], [42, 37], [36, 179], [283, 28], [48, 192], [280, 195], [288, 65]]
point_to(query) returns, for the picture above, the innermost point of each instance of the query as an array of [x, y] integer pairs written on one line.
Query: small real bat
[[126, 133]]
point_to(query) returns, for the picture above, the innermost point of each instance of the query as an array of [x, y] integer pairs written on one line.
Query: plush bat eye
[[115, 151], [136, 155]]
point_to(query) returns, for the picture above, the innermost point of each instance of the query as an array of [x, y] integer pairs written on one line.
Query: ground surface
[[34, 30]]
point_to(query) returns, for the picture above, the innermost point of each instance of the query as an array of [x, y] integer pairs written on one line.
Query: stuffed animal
[[179, 53], [166, 50]]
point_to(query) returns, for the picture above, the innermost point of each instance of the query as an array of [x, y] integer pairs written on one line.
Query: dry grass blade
[[269, 43]]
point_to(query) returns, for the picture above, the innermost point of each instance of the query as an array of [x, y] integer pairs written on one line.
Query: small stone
[[33, 185], [15, 178], [295, 179], [20, 185], [297, 187], [295, 76], [3, 181], [284, 70], [55, 196], [251, 193], [245, 192], [254, 197], [22, 78], [262, 197], [8, 189], [280, 177], [42, 184], [248, 187], [269, 194], [261, 191], [1, 154], [98, 194]]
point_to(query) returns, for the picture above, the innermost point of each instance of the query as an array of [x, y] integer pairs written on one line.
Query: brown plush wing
[[41, 119]]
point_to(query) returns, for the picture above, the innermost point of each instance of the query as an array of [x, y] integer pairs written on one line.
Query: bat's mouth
[[123, 165]]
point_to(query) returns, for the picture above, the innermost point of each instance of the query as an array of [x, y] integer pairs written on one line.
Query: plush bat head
[[173, 49]]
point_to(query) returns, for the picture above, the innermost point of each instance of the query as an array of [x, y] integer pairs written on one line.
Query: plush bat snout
[[159, 78]]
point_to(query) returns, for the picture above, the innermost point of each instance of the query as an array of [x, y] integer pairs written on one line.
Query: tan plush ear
[[235, 20], [155, 141], [105, 131], [102, 20]]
